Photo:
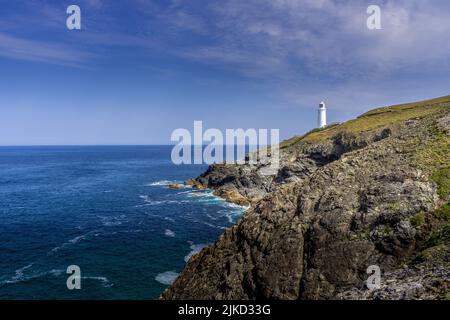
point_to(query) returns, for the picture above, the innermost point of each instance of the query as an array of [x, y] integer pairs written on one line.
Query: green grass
[[417, 220], [442, 235], [433, 156], [395, 206], [442, 179], [387, 229], [439, 102], [374, 119], [443, 213]]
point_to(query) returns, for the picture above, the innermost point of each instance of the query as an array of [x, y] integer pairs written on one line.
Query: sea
[[107, 210]]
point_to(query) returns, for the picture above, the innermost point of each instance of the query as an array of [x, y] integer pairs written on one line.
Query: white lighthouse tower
[[322, 116]]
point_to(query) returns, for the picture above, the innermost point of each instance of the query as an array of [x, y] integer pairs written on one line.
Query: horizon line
[[111, 145]]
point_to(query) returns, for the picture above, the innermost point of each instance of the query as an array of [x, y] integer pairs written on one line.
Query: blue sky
[[139, 69]]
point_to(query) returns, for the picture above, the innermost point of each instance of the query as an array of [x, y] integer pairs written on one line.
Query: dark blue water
[[107, 210]]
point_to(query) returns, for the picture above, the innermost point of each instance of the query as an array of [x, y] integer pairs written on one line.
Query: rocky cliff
[[371, 191]]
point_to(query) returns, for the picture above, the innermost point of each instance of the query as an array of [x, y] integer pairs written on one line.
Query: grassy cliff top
[[374, 119]]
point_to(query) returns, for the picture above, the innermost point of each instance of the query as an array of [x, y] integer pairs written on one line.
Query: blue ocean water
[[106, 209]]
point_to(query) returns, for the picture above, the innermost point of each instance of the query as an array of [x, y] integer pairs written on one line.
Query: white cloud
[[320, 37], [303, 49]]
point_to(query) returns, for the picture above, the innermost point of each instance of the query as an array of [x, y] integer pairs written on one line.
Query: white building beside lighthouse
[[322, 116]]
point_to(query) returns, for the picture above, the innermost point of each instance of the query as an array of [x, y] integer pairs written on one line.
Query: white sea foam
[[105, 282], [212, 225], [236, 206], [20, 276], [208, 224], [69, 242], [109, 221], [167, 277], [159, 183], [169, 233], [149, 202], [195, 248], [164, 183], [77, 239], [208, 201], [55, 272], [112, 223], [74, 241], [182, 192], [144, 197], [231, 215], [209, 196], [202, 194]]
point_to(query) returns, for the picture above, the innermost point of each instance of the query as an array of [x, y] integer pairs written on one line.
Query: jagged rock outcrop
[[372, 191]]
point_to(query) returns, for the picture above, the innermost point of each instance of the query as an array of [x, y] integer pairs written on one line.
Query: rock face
[[367, 192]]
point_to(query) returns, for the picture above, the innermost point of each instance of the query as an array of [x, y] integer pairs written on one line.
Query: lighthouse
[[322, 116]]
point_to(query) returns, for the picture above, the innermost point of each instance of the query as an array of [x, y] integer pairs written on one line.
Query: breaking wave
[[166, 278], [195, 248], [169, 233]]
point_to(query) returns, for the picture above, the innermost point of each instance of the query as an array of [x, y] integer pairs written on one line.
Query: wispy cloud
[[303, 48], [309, 50], [42, 51], [282, 38], [321, 37]]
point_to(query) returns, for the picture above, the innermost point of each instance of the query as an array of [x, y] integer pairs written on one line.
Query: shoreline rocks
[[175, 186]]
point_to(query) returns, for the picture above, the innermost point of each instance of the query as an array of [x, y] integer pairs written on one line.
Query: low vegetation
[[417, 220], [374, 119]]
